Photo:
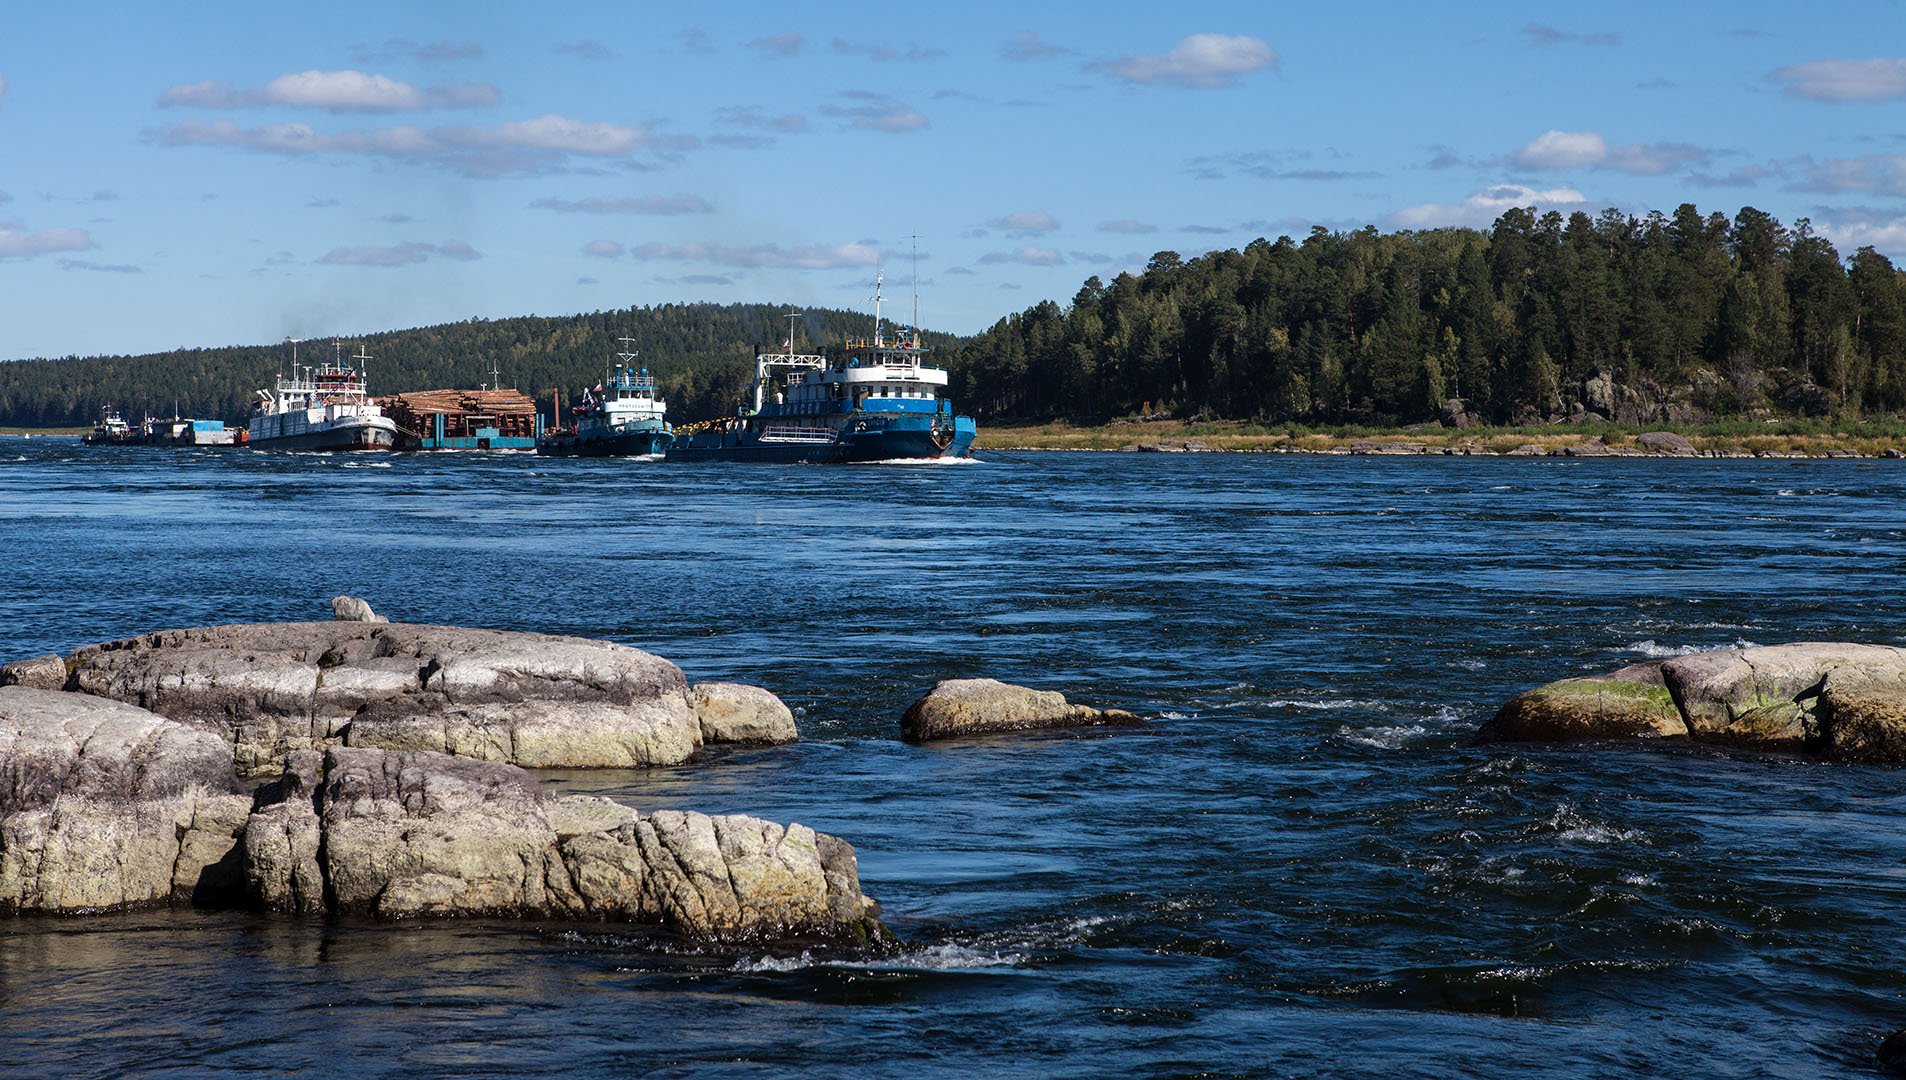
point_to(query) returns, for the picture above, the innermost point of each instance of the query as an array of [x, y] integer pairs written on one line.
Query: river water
[[1303, 870]]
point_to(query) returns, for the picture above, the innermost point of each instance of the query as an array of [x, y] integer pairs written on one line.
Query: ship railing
[[783, 433]]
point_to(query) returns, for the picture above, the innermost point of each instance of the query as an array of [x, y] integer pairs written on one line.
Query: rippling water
[[1304, 871]]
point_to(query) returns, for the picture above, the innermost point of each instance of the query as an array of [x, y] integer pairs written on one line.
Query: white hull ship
[[321, 408]]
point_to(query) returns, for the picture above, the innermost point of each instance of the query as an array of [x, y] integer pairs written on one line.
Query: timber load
[[446, 417]]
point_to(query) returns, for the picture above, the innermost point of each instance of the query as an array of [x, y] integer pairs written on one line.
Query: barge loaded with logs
[[494, 419]]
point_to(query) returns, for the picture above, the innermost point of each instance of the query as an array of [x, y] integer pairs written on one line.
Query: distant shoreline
[[1801, 439]]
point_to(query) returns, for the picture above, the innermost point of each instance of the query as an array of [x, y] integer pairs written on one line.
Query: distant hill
[[701, 354]]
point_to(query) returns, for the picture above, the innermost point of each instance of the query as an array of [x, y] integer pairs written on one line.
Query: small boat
[[873, 400], [321, 408], [620, 417]]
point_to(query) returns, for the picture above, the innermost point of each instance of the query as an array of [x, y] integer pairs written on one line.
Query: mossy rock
[[1587, 708]]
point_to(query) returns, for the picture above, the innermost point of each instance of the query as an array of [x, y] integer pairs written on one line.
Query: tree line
[[702, 356], [1731, 318]]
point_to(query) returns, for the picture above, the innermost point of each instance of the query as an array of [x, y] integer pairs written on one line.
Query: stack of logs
[[463, 411]]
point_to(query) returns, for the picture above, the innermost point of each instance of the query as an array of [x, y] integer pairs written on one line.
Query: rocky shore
[[390, 753], [1838, 701], [1171, 436]]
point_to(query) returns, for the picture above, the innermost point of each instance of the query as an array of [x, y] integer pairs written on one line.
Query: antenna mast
[[916, 289]]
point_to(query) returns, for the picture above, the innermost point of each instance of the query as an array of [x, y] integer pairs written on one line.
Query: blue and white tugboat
[[621, 417], [321, 408], [872, 401]]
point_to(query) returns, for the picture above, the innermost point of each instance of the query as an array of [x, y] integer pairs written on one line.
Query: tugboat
[[621, 417], [110, 429], [321, 408], [873, 401]]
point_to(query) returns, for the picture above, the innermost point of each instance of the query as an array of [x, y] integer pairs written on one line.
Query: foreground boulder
[[105, 806], [536, 700], [958, 707], [414, 833], [1837, 700]]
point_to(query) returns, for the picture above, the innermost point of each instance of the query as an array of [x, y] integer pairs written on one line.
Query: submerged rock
[[401, 834], [537, 700], [738, 713], [1838, 700], [105, 806], [957, 707]]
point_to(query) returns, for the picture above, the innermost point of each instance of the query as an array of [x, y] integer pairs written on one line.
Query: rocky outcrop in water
[[536, 700], [960, 707], [399, 834], [105, 806], [737, 713], [1836, 700], [354, 609]]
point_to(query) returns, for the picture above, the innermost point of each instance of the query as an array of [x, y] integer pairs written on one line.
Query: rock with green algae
[[1842, 701]]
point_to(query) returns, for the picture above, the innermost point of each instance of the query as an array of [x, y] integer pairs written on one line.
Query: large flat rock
[[531, 699]]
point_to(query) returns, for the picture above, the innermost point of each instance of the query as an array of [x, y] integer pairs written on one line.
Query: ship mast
[[879, 277], [916, 289]]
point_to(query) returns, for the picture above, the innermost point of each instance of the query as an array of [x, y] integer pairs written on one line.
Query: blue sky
[[232, 173]]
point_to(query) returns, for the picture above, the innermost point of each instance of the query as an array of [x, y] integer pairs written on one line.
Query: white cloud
[[1201, 60], [1887, 238], [17, 244], [1484, 207], [1878, 174], [805, 257], [3, 90], [1537, 34], [877, 112], [1025, 45], [1127, 225], [603, 249], [106, 268], [1031, 221], [399, 254], [1844, 80], [1025, 255], [1562, 150], [645, 204], [752, 117], [783, 44], [537, 145], [338, 91], [586, 50]]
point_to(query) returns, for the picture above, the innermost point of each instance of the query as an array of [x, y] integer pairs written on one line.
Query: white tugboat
[[321, 408], [621, 417], [872, 400]]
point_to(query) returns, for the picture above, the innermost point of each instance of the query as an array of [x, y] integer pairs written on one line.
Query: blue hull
[[631, 444], [889, 442]]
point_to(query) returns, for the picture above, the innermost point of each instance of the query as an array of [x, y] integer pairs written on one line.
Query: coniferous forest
[[1665, 318], [702, 356]]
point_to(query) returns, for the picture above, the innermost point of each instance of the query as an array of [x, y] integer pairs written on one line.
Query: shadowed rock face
[[398, 834], [106, 806], [537, 700], [1841, 701], [957, 707]]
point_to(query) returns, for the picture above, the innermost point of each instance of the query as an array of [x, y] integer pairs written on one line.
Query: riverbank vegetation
[[1664, 319]]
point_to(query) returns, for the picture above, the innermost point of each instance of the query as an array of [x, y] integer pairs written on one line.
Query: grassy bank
[[1810, 437], [34, 432]]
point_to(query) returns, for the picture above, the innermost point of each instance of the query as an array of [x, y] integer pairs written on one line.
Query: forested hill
[[1675, 318], [701, 354]]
